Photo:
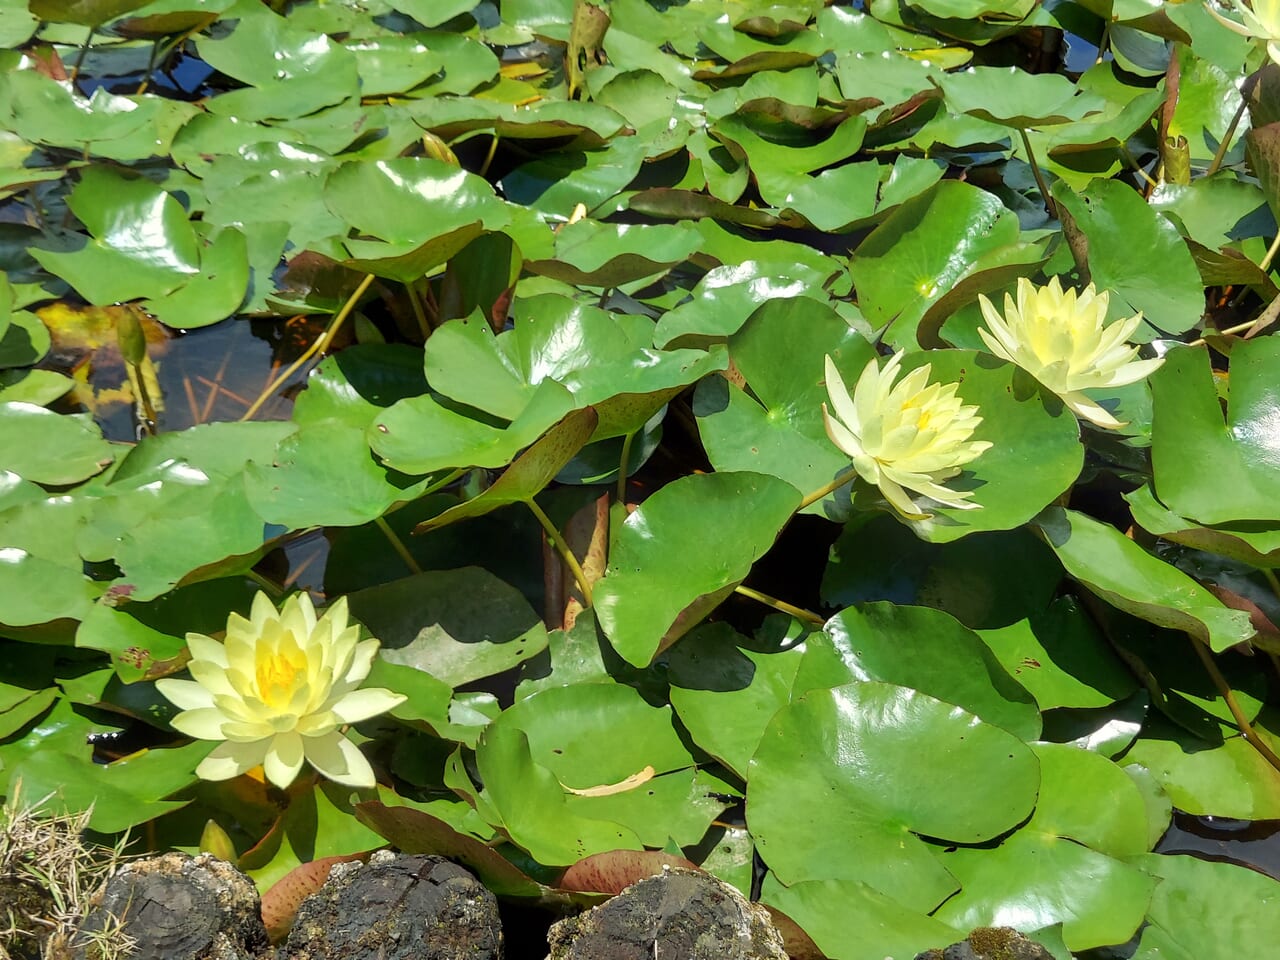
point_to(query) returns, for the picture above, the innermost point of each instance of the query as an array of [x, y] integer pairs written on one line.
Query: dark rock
[[677, 915], [398, 907], [176, 907], [990, 943]]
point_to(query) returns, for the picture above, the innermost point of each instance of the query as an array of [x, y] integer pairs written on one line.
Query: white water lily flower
[[1261, 22], [276, 692], [908, 436], [1061, 340]]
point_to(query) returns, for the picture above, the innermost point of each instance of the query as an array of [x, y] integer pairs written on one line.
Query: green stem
[[780, 605], [322, 342], [1049, 205], [1271, 253], [1247, 733], [841, 479], [622, 467], [397, 545], [269, 586], [488, 159], [566, 554], [1221, 153], [419, 313]]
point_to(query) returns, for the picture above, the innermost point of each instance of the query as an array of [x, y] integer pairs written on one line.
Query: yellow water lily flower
[[277, 691], [1061, 339], [908, 436], [1261, 22]]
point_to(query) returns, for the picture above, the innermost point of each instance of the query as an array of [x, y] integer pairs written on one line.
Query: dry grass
[[48, 852]]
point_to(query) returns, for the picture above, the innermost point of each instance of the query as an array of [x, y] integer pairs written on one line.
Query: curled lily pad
[[1128, 577]]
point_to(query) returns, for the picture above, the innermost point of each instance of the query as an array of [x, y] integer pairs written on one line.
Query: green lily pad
[[178, 504], [26, 341], [143, 245], [926, 650], [1126, 576], [601, 358], [49, 448], [531, 803], [323, 474], [724, 299], [782, 414], [421, 435], [1207, 910], [291, 72], [985, 580], [841, 750], [949, 234], [595, 254], [1035, 454], [456, 625], [528, 474], [1257, 544], [1188, 433], [849, 920], [1061, 659], [410, 200], [134, 647], [670, 564], [1162, 282], [1013, 97], [122, 794], [726, 693], [1227, 779], [1089, 817]]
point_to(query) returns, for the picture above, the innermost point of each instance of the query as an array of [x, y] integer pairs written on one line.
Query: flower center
[[277, 676]]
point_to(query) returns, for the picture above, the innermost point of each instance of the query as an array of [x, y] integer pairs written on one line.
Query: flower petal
[[184, 694], [337, 758], [283, 759], [203, 724], [363, 704], [229, 760]]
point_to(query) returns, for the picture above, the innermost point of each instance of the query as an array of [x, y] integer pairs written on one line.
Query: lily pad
[[1128, 577], [1188, 432], [841, 750], [670, 566]]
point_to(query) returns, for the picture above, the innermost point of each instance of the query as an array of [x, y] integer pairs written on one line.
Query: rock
[[397, 907], [677, 915], [176, 907], [991, 943]]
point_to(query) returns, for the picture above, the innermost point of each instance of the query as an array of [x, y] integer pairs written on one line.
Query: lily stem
[[1049, 206], [321, 344], [397, 545], [622, 467], [841, 479], [780, 605], [562, 548], [1247, 733], [1221, 152], [419, 314]]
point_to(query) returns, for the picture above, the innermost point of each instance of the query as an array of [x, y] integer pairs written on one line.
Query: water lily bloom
[[277, 691], [1061, 340], [1261, 22], [912, 435]]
